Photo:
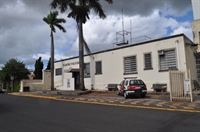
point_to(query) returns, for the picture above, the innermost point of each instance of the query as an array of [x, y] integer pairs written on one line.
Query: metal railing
[[180, 85]]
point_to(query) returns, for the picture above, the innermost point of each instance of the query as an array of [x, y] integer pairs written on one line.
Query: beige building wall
[[196, 31], [37, 84], [113, 63], [190, 59], [46, 79]]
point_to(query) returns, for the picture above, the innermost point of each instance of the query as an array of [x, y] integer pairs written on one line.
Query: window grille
[[58, 71], [87, 70], [147, 61], [168, 60], [98, 67], [130, 65]]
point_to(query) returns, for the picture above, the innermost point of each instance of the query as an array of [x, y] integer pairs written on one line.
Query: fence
[[180, 85]]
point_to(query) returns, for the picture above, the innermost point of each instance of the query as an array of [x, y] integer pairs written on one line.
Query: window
[[167, 60], [136, 82], [58, 71], [98, 67], [87, 70], [147, 61], [126, 83], [130, 65]]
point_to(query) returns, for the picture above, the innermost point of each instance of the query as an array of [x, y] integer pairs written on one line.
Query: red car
[[132, 86]]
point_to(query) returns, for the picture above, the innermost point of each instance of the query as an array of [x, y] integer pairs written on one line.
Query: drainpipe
[[62, 71], [177, 51], [92, 71]]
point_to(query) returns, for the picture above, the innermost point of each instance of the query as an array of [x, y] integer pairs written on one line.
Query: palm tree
[[53, 22], [80, 10]]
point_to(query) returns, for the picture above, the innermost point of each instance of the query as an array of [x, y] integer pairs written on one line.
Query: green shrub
[[16, 88], [8, 89]]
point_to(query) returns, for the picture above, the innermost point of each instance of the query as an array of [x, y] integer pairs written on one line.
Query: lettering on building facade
[[72, 63]]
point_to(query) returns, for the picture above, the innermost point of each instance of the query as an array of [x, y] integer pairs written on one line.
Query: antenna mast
[[122, 23], [122, 33], [130, 31]]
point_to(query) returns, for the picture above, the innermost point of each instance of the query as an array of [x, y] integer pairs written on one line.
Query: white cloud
[[181, 29]]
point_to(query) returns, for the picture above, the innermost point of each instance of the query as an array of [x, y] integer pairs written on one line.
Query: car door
[[125, 85], [121, 86]]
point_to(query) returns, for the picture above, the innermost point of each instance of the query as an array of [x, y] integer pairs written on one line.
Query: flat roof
[[130, 45]]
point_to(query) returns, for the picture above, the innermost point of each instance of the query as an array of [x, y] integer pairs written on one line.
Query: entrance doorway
[[76, 77]]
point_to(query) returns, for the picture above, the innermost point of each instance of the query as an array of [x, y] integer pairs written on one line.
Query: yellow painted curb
[[35, 96], [108, 104], [131, 106]]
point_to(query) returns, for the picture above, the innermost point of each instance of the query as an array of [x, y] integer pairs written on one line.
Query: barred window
[[147, 61], [130, 65], [98, 67], [167, 60], [87, 70], [58, 71], [198, 68]]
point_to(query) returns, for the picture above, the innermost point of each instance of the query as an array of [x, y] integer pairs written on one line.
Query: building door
[[76, 77]]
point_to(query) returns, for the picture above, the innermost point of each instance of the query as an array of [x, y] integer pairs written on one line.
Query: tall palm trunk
[[52, 61], [81, 55]]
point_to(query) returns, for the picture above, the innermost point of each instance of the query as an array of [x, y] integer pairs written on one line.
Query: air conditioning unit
[[161, 53]]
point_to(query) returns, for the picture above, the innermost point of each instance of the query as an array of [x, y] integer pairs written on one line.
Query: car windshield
[[136, 82], [122, 83]]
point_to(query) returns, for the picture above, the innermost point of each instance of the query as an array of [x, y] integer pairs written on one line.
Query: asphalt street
[[22, 114]]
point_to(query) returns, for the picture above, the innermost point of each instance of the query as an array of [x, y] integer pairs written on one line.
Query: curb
[[107, 103]]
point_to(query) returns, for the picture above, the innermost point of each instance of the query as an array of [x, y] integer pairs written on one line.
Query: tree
[[14, 68], [38, 68], [53, 22], [80, 10], [49, 64]]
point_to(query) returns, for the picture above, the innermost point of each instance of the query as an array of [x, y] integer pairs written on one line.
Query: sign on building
[[68, 83], [187, 86]]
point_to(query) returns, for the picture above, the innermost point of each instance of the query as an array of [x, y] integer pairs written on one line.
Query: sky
[[26, 37]]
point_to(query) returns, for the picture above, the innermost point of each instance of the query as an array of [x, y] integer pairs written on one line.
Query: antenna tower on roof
[[123, 32]]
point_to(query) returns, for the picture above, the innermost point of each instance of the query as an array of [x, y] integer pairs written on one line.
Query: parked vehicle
[[132, 86]]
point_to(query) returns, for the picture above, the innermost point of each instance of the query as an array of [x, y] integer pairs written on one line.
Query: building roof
[[131, 45]]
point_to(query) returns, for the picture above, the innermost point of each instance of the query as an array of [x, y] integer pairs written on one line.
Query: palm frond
[[60, 27], [61, 4], [45, 19], [79, 12], [109, 1], [86, 46], [59, 20], [53, 21], [96, 6]]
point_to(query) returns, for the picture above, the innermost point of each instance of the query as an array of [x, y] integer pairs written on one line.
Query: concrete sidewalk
[[151, 101]]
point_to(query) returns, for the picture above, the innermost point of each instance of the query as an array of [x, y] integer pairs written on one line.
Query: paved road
[[22, 114]]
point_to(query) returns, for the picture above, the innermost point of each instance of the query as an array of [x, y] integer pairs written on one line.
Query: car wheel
[[125, 95], [143, 95]]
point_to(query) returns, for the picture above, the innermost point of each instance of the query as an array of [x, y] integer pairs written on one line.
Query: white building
[[196, 32], [196, 22], [150, 60]]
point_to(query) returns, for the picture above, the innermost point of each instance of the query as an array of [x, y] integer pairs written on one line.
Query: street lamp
[[12, 78]]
